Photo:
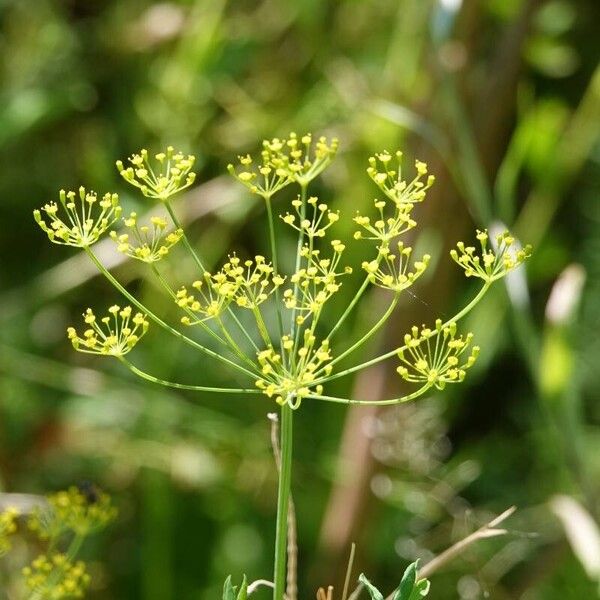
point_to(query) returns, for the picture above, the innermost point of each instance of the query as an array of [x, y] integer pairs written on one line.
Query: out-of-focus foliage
[[501, 98]]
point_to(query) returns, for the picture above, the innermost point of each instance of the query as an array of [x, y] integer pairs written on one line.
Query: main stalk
[[283, 501]]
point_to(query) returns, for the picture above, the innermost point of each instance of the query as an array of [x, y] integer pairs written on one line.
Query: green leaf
[[373, 591], [228, 590], [410, 587], [243, 593]]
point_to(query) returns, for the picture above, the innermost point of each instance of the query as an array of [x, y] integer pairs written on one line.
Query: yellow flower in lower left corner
[[113, 335]]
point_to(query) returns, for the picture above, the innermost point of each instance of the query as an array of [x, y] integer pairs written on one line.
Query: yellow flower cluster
[[289, 374], [315, 281], [247, 283], [390, 182], [436, 363], [71, 510], [493, 263], [166, 175], [284, 161], [80, 222], [115, 335], [56, 578], [385, 228], [315, 227], [391, 271], [8, 525], [149, 243]]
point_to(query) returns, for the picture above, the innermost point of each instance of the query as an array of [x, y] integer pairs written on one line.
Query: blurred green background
[[502, 99]]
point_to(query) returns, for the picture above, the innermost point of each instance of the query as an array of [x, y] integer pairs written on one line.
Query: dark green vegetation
[[503, 102]]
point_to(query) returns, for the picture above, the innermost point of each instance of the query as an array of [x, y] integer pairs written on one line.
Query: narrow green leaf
[[243, 593], [407, 585], [373, 591], [420, 590], [228, 590]]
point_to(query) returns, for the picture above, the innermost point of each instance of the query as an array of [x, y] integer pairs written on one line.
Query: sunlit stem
[[303, 188], [459, 315], [283, 500], [183, 386], [262, 328], [388, 401], [158, 320], [275, 261], [234, 345], [171, 293], [369, 333], [350, 307], [200, 264]]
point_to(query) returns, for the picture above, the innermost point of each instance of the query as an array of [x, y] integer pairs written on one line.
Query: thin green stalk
[[183, 386], [350, 307], [283, 500], [171, 293], [369, 333], [459, 315], [234, 345], [388, 401], [158, 320], [200, 264], [275, 262], [262, 327]]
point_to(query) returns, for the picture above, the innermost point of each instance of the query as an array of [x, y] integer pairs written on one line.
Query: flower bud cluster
[[491, 263], [71, 510], [436, 362], [148, 243], [315, 227], [247, 283], [385, 228], [8, 526], [388, 178], [167, 174], [113, 335], [391, 271], [56, 577], [80, 218], [315, 281], [288, 375], [284, 161]]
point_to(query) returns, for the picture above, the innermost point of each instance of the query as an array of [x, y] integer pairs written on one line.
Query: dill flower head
[[268, 175], [72, 510], [148, 243], [56, 577], [391, 271], [113, 335], [248, 283], [79, 219], [386, 172], [289, 375], [8, 526], [388, 225], [161, 177], [492, 262], [436, 361], [307, 159]]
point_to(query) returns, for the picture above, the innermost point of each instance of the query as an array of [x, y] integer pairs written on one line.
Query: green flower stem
[[283, 501], [234, 346], [369, 333], [275, 262], [198, 261], [350, 307], [389, 401], [183, 386], [293, 332], [158, 320], [459, 315], [171, 293], [262, 327]]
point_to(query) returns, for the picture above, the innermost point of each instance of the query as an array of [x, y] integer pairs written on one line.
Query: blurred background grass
[[501, 98]]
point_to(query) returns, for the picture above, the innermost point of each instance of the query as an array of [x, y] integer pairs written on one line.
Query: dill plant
[[292, 360]]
